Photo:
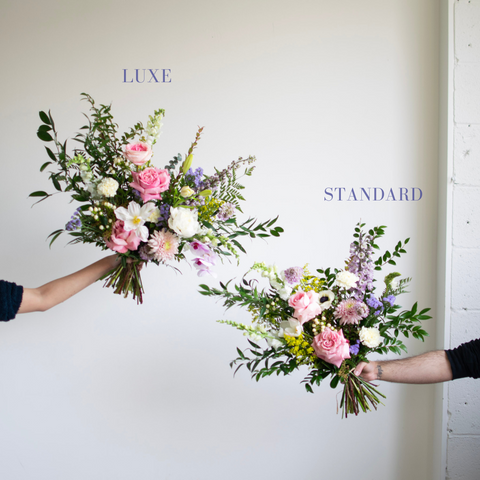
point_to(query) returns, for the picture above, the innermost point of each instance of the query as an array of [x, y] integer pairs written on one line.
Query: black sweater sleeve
[[10, 299], [465, 360]]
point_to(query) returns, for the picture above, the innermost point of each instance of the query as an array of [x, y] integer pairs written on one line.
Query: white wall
[[325, 94], [463, 429]]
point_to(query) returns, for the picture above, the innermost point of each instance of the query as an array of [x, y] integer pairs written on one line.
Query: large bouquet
[[142, 212], [329, 322]]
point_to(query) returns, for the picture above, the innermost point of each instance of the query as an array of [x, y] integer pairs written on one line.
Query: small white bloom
[[291, 327], [346, 279], [154, 216], [135, 217], [184, 222], [186, 192], [273, 342], [285, 292], [326, 297], [370, 337], [395, 283], [86, 176], [276, 285], [108, 187]]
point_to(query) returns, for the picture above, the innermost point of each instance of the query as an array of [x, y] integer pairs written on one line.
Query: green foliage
[[268, 310]]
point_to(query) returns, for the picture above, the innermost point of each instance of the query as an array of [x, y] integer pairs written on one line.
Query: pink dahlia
[[351, 311], [163, 245]]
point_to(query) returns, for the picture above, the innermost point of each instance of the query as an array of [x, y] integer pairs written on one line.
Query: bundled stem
[[358, 394], [126, 279]]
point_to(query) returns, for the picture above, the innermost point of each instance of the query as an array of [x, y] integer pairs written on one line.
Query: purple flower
[[164, 215], [362, 265], [195, 177], [144, 253], [226, 211], [75, 222], [293, 275], [390, 299], [355, 348], [203, 264], [199, 248], [375, 303]]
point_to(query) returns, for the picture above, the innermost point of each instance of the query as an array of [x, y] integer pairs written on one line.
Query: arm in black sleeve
[[465, 360], [10, 299]]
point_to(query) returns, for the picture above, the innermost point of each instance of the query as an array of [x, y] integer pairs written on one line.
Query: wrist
[[378, 369]]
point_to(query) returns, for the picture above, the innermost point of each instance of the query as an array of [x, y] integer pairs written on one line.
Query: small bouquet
[[329, 322], [142, 212]]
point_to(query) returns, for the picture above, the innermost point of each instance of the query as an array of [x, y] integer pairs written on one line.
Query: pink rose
[[122, 241], [137, 153], [306, 305], [150, 183], [331, 346]]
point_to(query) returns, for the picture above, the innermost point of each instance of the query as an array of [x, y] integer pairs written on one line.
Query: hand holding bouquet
[[329, 321], [142, 212]]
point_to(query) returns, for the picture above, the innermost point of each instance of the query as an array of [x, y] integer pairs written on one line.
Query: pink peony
[[150, 183], [138, 153], [351, 311], [163, 245], [121, 241], [331, 346], [306, 305]]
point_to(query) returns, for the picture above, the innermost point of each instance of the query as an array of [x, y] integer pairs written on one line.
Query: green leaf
[[56, 184], [55, 236], [44, 118], [45, 136], [44, 166], [44, 128], [334, 382], [51, 154], [39, 193], [80, 198], [269, 224]]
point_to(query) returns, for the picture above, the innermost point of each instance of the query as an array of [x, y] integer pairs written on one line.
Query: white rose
[[370, 337], [107, 187], [346, 279], [184, 222]]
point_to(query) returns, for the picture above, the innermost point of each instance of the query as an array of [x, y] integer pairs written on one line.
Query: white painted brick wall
[[467, 154], [463, 437]]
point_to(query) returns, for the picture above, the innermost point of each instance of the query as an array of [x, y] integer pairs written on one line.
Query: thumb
[[360, 368]]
